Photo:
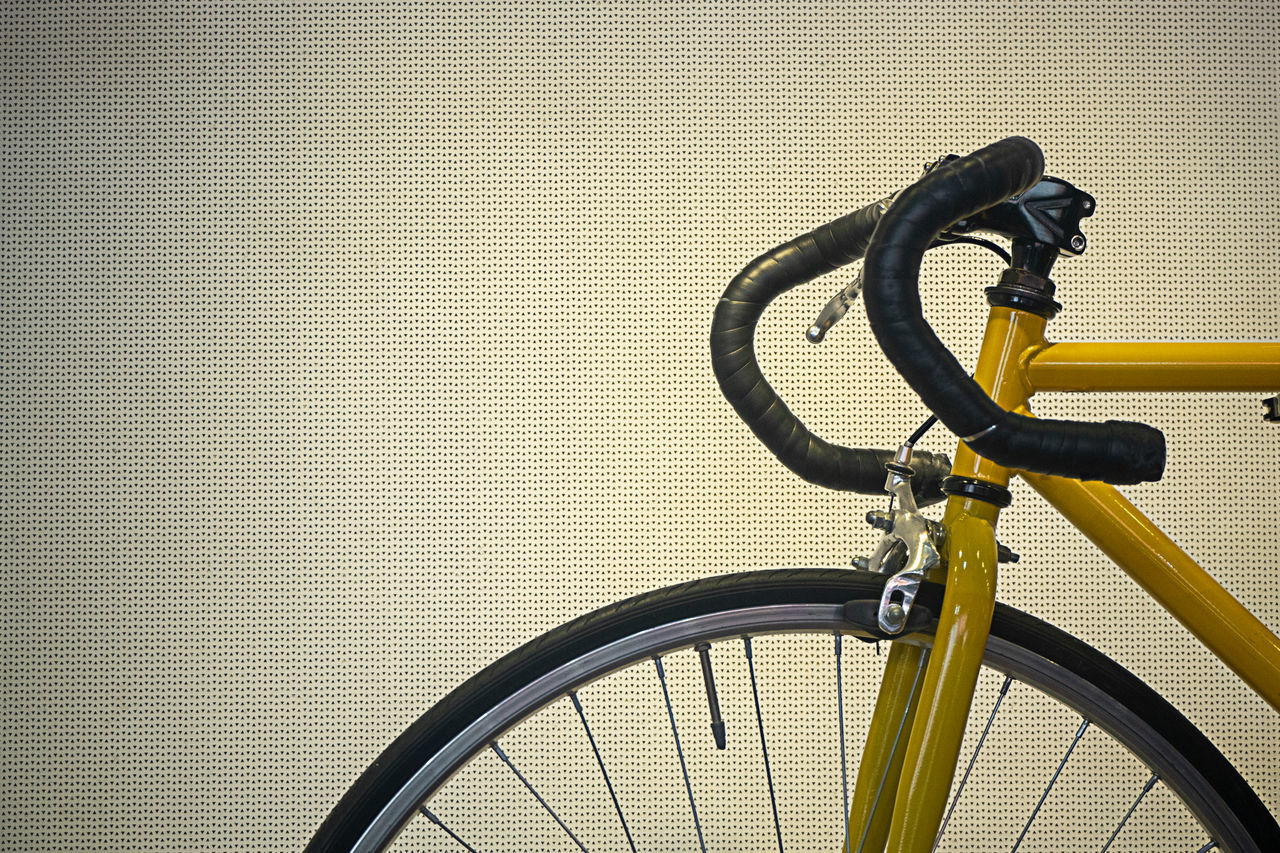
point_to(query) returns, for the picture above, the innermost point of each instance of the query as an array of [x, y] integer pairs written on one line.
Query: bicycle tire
[[424, 757]]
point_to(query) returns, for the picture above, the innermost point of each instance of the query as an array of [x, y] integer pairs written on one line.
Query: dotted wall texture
[[347, 346]]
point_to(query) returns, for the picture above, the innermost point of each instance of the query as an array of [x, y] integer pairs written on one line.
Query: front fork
[[914, 740]]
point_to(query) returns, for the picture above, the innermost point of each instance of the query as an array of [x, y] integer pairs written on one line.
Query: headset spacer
[[1026, 291], [967, 487]]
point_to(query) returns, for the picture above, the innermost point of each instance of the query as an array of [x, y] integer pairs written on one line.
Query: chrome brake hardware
[[835, 310], [935, 163], [843, 301], [909, 549], [887, 202]]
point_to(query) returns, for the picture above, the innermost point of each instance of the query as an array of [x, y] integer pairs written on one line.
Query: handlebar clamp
[[1048, 214]]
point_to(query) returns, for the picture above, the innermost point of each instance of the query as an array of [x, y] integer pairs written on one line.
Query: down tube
[[1171, 577]]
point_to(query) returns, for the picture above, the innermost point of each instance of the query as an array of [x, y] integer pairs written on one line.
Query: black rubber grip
[[1114, 452], [734, 360]]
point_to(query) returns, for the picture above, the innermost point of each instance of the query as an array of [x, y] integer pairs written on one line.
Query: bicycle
[[928, 588]]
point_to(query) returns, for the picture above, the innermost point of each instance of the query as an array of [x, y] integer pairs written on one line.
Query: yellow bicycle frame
[[913, 774]]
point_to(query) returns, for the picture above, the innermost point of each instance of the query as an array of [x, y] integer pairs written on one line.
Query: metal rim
[[1064, 686]]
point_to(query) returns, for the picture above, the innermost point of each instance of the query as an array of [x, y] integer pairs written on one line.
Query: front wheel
[[599, 736]]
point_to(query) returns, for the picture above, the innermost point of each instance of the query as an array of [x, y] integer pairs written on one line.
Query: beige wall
[[348, 346]]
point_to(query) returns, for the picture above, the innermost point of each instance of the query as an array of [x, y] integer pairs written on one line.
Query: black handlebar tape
[[1115, 452], [734, 360]]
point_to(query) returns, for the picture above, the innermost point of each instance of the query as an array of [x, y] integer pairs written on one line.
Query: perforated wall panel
[[348, 346]]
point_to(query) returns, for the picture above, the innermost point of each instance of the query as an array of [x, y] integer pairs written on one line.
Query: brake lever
[[835, 310], [843, 300]]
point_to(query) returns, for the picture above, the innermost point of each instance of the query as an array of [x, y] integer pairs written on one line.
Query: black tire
[[388, 792]]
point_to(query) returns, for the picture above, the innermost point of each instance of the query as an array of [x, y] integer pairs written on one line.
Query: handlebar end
[[1117, 452]]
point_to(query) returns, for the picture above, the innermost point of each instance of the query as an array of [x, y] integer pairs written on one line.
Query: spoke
[[582, 716], [1212, 845], [497, 749], [1045, 795], [1145, 788], [1004, 688], [897, 740], [440, 824], [844, 767], [768, 774], [666, 697]]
